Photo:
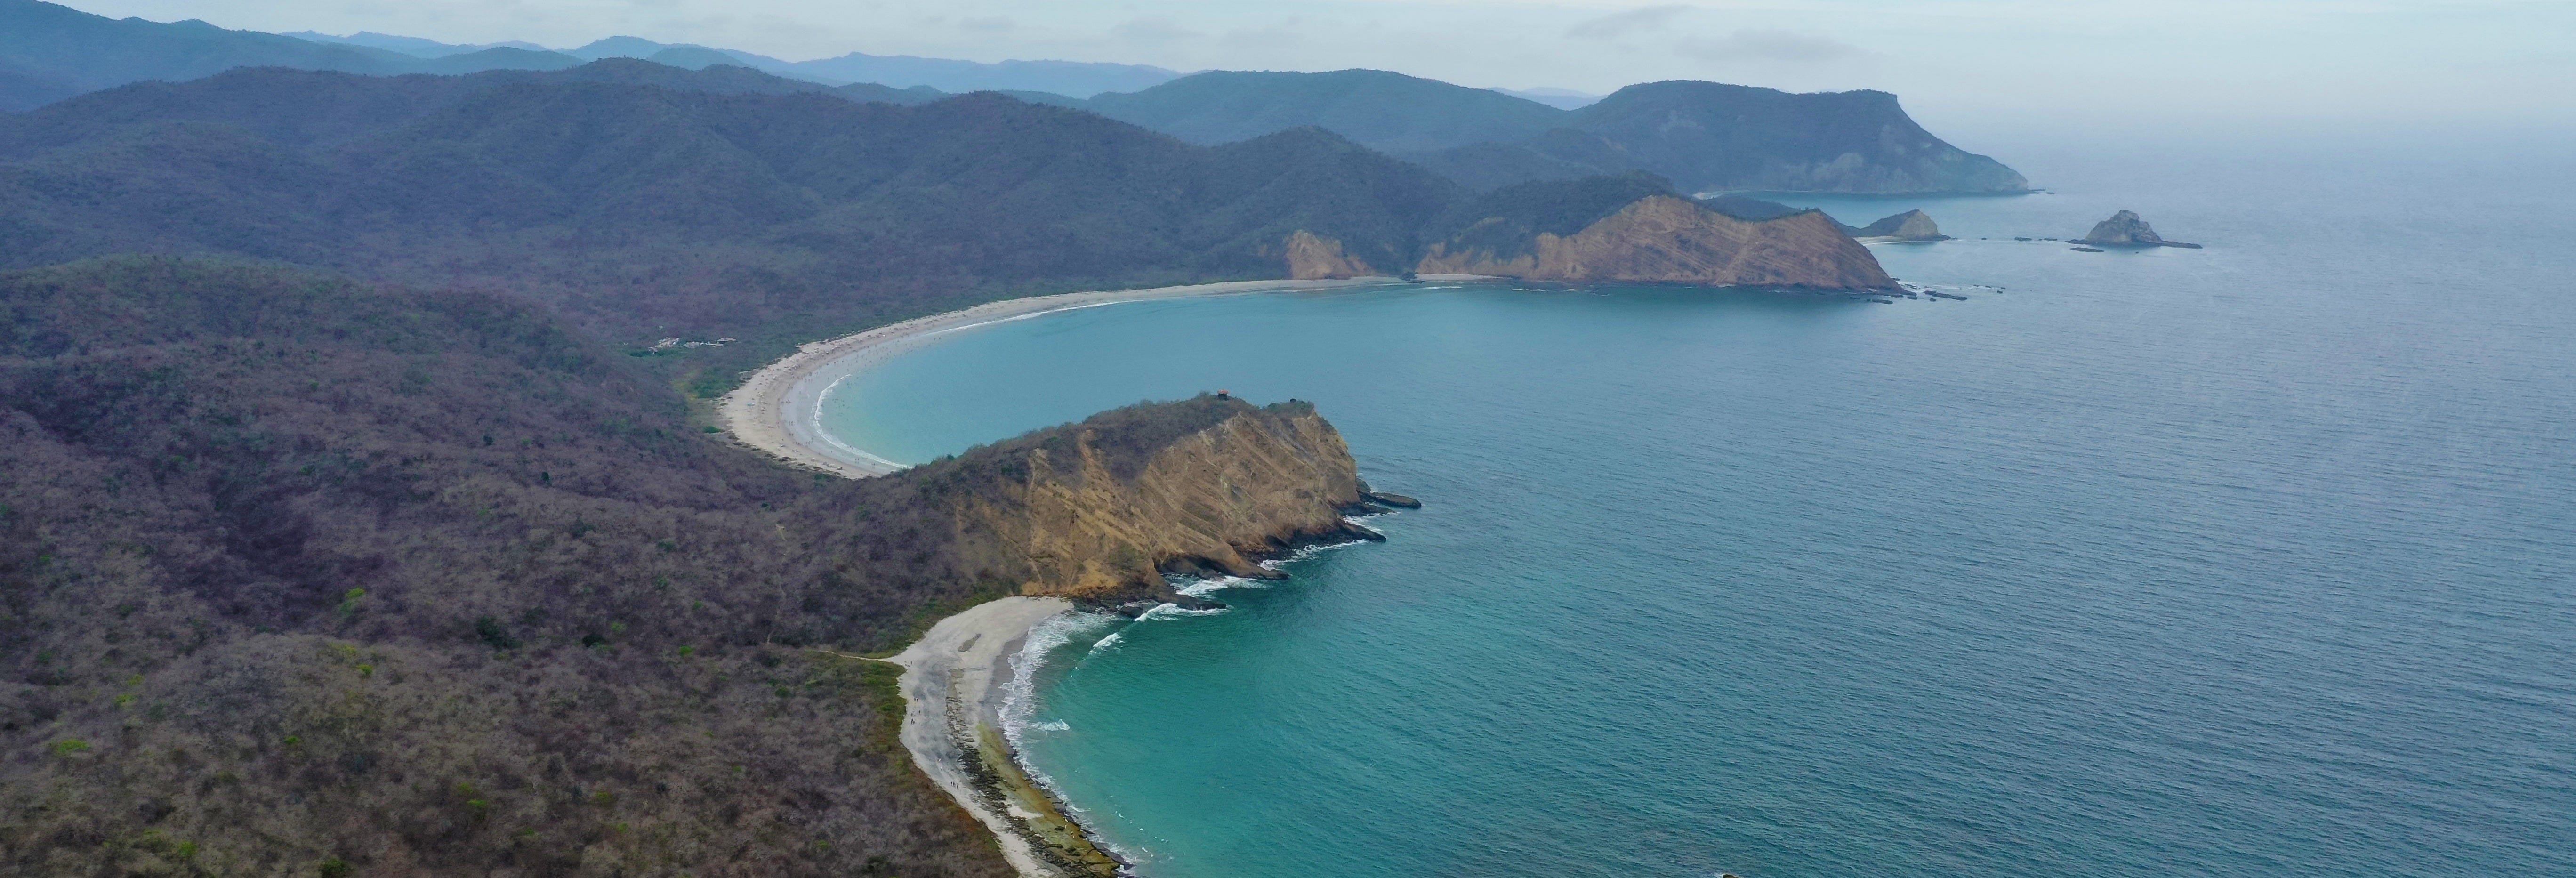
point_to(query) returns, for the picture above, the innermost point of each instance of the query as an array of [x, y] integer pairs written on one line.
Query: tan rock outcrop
[[1315, 257], [1668, 239], [1099, 509]]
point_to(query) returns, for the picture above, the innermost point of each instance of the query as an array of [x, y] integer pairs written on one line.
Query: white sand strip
[[778, 409], [953, 682]]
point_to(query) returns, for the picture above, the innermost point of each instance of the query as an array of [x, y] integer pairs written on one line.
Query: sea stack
[[1912, 225], [2126, 229]]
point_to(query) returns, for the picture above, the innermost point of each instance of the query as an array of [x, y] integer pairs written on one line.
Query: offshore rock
[[2126, 229], [1099, 510], [1912, 225]]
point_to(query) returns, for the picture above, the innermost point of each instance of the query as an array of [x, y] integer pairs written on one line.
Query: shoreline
[[956, 680], [777, 410]]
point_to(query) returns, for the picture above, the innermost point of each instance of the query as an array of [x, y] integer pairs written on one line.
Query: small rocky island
[[2126, 229], [1912, 225]]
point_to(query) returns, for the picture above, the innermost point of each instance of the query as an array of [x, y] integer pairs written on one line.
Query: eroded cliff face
[[1315, 257], [1098, 510], [1668, 239]]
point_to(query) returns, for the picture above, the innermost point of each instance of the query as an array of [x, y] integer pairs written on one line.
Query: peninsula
[[593, 636]]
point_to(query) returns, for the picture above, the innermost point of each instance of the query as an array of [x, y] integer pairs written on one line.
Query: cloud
[[1620, 24], [1778, 46], [990, 25]]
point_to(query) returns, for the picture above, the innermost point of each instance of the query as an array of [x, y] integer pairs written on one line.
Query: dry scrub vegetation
[[301, 576]]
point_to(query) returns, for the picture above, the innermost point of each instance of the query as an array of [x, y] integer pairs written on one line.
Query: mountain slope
[[1390, 112], [303, 570]]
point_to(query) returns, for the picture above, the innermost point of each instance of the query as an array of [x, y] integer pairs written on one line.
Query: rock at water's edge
[[1396, 501]]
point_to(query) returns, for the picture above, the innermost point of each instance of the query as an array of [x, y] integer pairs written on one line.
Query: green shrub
[[492, 633], [69, 746]]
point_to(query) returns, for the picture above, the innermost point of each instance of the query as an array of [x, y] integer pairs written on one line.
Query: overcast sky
[[2001, 65]]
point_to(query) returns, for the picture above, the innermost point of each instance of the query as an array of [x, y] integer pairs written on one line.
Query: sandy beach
[[776, 410], [954, 681]]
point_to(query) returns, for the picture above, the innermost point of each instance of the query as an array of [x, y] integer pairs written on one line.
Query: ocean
[[2256, 560]]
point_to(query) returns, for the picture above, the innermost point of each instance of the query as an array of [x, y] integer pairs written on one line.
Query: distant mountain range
[[643, 200], [637, 197], [49, 52], [1704, 137]]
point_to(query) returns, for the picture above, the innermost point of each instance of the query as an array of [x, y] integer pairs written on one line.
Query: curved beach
[[777, 410], [954, 682]]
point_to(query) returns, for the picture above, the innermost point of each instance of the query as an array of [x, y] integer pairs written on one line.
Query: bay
[[2244, 561]]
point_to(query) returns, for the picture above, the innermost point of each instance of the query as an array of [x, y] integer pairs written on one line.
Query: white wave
[[1019, 696], [1109, 642], [1309, 552], [1176, 611], [1204, 587]]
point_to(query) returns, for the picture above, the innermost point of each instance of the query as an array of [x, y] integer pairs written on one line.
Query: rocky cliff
[[1669, 239], [1101, 509], [1314, 257]]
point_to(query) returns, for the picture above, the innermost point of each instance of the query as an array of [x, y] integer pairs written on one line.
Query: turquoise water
[[2246, 561]]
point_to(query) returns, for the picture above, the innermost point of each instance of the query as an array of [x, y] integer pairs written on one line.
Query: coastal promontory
[[1102, 508], [1633, 229]]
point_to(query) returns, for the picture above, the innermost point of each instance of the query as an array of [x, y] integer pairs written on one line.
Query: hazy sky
[[2003, 65]]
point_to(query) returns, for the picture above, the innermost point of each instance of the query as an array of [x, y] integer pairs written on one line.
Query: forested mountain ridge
[[49, 52], [1389, 112], [1703, 136], [644, 200]]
